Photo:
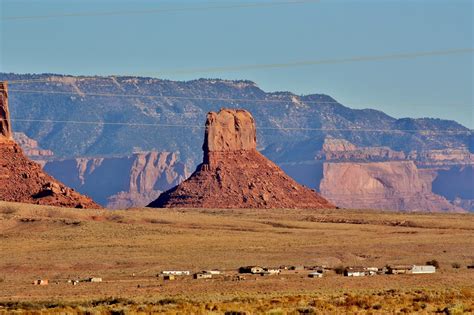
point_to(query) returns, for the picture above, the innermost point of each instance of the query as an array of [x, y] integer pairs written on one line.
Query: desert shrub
[[456, 265], [8, 210], [116, 218], [306, 310], [157, 221], [377, 307], [118, 312], [454, 309], [433, 262], [168, 301], [339, 270], [111, 301]]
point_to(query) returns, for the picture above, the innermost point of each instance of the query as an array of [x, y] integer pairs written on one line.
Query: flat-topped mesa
[[5, 129], [229, 130]]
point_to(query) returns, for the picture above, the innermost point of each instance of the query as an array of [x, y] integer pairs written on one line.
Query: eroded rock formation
[[121, 182], [5, 129], [32, 148], [235, 175], [378, 178], [22, 180]]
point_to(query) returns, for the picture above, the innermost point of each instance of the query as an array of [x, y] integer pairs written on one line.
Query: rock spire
[[235, 175], [5, 129]]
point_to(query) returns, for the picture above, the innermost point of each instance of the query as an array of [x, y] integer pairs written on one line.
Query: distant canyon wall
[[381, 178], [121, 182], [349, 176], [395, 185]]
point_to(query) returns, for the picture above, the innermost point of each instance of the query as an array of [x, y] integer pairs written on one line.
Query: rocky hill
[[235, 175], [22, 180], [117, 116]]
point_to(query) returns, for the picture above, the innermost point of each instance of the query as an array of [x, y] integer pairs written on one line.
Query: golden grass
[[57, 244]]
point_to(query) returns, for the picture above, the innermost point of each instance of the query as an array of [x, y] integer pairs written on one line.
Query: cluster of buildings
[[314, 272], [390, 269], [172, 274], [44, 282]]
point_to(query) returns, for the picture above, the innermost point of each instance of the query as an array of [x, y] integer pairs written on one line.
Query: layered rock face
[[343, 150], [22, 180], [5, 129], [31, 147], [394, 185], [235, 175], [380, 178], [121, 182]]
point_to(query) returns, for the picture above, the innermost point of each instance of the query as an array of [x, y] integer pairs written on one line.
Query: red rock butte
[[235, 175], [22, 180]]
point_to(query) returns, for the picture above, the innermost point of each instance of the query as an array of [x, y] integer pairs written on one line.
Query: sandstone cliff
[[235, 175], [380, 178], [32, 148], [5, 129], [343, 150], [395, 185], [121, 182], [22, 180]]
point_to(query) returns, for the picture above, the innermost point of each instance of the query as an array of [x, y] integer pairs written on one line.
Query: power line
[[258, 128], [320, 62], [103, 123], [158, 10], [395, 56]]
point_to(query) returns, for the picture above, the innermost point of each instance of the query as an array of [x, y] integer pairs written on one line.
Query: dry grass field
[[129, 248]]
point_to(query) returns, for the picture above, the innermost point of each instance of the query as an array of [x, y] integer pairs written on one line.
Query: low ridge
[[22, 180], [235, 175]]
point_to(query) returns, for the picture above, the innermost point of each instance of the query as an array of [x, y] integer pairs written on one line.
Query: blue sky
[[160, 43]]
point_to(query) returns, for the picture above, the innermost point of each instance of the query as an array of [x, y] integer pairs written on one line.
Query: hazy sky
[[131, 41]]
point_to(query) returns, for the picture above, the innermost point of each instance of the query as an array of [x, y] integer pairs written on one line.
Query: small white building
[[212, 272], [202, 275], [251, 269], [272, 271], [315, 274], [372, 270], [360, 271], [423, 269], [176, 272], [256, 270], [95, 279], [356, 272]]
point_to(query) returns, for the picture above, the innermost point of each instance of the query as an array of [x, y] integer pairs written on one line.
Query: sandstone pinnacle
[[235, 175]]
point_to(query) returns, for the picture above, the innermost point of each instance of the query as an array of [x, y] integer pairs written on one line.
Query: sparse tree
[[433, 262]]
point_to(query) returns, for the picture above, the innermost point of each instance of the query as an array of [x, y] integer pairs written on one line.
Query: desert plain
[[129, 248]]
